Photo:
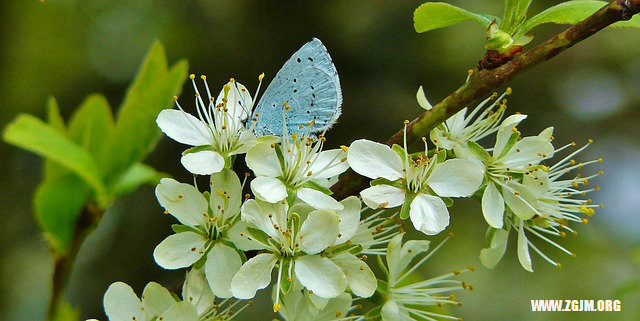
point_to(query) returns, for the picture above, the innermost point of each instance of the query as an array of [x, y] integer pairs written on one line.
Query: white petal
[[318, 199], [336, 306], [203, 162], [182, 311], [329, 163], [247, 140], [121, 303], [254, 275], [257, 213], [529, 150], [493, 206], [263, 161], [180, 250], [196, 290], [318, 231], [457, 122], [491, 256], [399, 255], [512, 121], [440, 139], [390, 311], [238, 101], [155, 300], [239, 235], [504, 132], [184, 128], [223, 263], [523, 249], [269, 189], [422, 99], [456, 177], [360, 278], [183, 201], [349, 218], [523, 204], [320, 275], [374, 160], [226, 193], [429, 214], [382, 196]]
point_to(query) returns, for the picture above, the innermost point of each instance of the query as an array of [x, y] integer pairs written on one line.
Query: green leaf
[[317, 187], [515, 12], [179, 228], [58, 204], [572, 12], [197, 149], [136, 131], [480, 152], [135, 176], [32, 134], [55, 120], [91, 124], [434, 15]]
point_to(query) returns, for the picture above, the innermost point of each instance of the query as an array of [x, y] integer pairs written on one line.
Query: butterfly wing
[[308, 83]]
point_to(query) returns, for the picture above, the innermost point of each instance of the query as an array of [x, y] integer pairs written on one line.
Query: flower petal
[[320, 275], [269, 189], [374, 160], [349, 218], [521, 200], [254, 275], [390, 311], [456, 177], [318, 231], [263, 161], [196, 290], [223, 263], [493, 206], [226, 194], [382, 196], [318, 199], [523, 249], [182, 311], [336, 307], [183, 201], [429, 214], [360, 278], [504, 132], [257, 213], [184, 128], [491, 255], [180, 250], [121, 303], [155, 300], [203, 162], [329, 163]]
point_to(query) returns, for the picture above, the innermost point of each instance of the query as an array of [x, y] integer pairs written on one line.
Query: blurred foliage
[[68, 48]]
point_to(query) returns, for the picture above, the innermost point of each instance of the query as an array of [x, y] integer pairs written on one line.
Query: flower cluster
[[314, 249]]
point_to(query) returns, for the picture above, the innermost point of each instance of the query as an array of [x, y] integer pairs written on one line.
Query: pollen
[[261, 77], [406, 121], [600, 160], [585, 221], [471, 268], [344, 148], [203, 77], [180, 196], [514, 129], [192, 76], [470, 72], [309, 173], [456, 272], [276, 307], [509, 91], [590, 141], [175, 97]]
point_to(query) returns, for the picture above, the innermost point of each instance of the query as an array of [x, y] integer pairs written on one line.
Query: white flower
[[206, 230], [411, 301], [219, 132], [297, 239], [297, 167], [460, 128], [510, 156], [416, 183], [121, 303], [544, 205]]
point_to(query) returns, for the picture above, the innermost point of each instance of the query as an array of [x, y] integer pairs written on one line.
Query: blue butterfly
[[308, 84]]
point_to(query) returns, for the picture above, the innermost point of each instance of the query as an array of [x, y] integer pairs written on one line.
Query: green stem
[[63, 263], [483, 82]]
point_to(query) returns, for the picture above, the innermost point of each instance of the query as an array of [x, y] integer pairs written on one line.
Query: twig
[[63, 263], [482, 82]]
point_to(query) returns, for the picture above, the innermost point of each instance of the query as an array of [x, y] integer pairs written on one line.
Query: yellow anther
[[597, 188], [573, 254], [572, 162], [551, 137], [559, 265], [261, 77], [573, 144], [232, 80], [344, 148], [276, 307], [470, 72], [514, 129], [175, 97], [192, 76], [338, 313], [585, 221], [600, 160], [294, 135], [203, 77], [456, 272], [309, 173], [180, 196], [471, 268], [406, 121], [508, 91], [590, 141], [600, 172]]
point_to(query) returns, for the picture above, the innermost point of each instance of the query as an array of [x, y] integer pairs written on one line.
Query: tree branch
[[63, 264], [482, 82]]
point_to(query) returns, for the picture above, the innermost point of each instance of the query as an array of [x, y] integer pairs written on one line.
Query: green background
[[69, 49]]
